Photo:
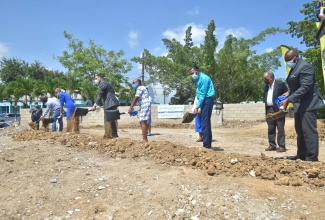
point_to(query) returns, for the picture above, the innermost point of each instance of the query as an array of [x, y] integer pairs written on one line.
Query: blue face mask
[[291, 64], [194, 76], [134, 85]]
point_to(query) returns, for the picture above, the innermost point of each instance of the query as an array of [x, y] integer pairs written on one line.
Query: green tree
[[171, 71], [49, 84], [239, 68], [12, 68], [234, 69], [209, 48], [85, 61], [306, 31], [14, 94], [88, 90], [37, 71], [22, 90], [3, 95]]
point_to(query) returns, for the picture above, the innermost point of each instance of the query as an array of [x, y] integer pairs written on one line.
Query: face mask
[[291, 64], [96, 81], [134, 85], [58, 94], [267, 82], [194, 76]]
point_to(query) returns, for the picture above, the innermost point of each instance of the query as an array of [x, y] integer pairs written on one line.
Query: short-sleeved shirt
[[144, 103]]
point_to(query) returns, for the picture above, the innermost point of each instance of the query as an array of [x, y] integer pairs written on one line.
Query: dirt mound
[[160, 125], [212, 161]]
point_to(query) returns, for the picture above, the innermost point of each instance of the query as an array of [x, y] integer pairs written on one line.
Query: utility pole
[[142, 74]]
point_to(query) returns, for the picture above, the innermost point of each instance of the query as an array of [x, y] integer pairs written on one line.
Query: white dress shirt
[[269, 99]]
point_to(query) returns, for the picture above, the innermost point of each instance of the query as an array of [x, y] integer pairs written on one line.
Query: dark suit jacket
[[279, 88], [107, 93], [304, 92]]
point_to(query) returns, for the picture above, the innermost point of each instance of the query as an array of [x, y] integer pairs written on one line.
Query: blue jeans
[[55, 116]]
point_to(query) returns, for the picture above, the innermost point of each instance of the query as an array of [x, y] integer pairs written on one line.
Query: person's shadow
[[154, 134], [217, 149]]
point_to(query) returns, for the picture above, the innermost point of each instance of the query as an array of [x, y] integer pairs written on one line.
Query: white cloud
[[238, 32], [268, 50], [133, 39], [198, 33], [196, 11], [222, 34], [4, 49]]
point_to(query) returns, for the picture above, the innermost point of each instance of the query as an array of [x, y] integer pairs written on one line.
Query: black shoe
[[295, 158], [312, 159]]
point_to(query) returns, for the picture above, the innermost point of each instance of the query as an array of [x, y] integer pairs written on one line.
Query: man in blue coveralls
[[68, 102], [204, 94]]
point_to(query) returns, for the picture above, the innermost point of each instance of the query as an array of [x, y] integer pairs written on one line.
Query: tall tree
[[209, 48], [14, 94], [171, 71], [85, 61], [306, 31], [12, 68], [234, 69]]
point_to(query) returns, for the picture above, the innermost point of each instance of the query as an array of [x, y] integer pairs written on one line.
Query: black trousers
[[307, 134], [110, 127], [271, 132]]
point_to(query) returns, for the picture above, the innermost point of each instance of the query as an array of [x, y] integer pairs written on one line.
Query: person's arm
[[62, 100], [48, 107], [133, 103], [101, 92]]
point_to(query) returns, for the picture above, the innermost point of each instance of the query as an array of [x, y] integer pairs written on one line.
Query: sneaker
[[149, 134]]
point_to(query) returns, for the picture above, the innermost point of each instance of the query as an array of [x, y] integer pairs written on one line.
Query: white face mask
[[96, 81], [194, 76], [291, 64]]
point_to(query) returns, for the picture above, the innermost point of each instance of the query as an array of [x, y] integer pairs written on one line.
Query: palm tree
[[25, 87], [14, 93]]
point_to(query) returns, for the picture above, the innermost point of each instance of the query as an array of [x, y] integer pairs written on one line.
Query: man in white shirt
[[53, 106], [273, 89]]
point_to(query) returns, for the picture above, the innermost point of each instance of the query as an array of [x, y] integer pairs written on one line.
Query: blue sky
[[33, 30]]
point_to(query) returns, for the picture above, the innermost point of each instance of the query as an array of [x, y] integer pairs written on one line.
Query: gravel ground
[[46, 175]]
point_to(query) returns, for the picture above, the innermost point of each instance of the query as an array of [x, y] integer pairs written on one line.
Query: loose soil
[[52, 175]]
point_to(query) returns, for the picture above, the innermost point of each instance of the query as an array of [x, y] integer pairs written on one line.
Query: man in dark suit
[[273, 89], [111, 113], [306, 99]]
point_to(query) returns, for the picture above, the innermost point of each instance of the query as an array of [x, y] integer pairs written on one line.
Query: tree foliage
[[12, 68], [85, 61], [306, 31], [236, 70], [22, 81]]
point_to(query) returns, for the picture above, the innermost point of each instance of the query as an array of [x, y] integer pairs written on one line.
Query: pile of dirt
[[212, 161]]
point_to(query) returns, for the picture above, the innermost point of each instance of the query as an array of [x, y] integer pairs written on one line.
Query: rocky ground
[[45, 175]]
